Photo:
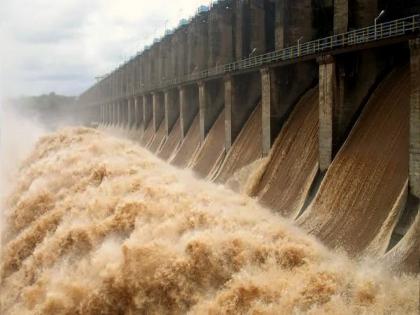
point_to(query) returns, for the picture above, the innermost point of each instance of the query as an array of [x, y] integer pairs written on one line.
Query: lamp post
[[377, 18]]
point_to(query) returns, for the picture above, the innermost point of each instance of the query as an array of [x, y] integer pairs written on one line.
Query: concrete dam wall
[[330, 141]]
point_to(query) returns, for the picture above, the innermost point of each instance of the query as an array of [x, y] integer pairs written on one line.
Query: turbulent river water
[[94, 224]]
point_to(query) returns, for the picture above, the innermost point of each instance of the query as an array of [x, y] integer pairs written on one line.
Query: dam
[[264, 158], [319, 121]]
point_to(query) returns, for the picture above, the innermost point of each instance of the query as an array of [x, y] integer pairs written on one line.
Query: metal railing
[[314, 48]]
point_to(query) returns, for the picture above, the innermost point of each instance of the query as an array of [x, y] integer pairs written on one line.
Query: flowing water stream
[[94, 224]]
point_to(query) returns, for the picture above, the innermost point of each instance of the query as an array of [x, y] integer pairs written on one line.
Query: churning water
[[98, 225]]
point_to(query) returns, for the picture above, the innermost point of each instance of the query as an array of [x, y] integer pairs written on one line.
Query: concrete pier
[[267, 108], [138, 111], [147, 110], [211, 100], [105, 114], [101, 114], [158, 110], [341, 16], [250, 28], [220, 28], [164, 59], [327, 105], [130, 116], [171, 109], [113, 114], [181, 51], [293, 21], [188, 100], [414, 165], [155, 63], [362, 14], [125, 118], [229, 100], [119, 113], [197, 43]]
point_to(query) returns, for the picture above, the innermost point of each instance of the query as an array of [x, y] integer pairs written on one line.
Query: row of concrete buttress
[[302, 130], [364, 192], [359, 212]]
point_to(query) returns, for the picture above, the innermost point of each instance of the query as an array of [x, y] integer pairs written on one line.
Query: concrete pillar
[[171, 109], [202, 101], [138, 111], [220, 34], [327, 104], [341, 16], [158, 110], [104, 114], [129, 112], [188, 107], [172, 69], [182, 110], [250, 28], [257, 31], [113, 114], [101, 114], [119, 114], [181, 51], [267, 104], [110, 114], [197, 43], [147, 110], [125, 112], [414, 165], [354, 14], [229, 101], [293, 20]]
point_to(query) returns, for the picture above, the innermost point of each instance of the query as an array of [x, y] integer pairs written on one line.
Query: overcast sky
[[62, 45]]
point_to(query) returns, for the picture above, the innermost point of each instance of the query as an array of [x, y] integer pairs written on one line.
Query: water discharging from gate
[[98, 225]]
